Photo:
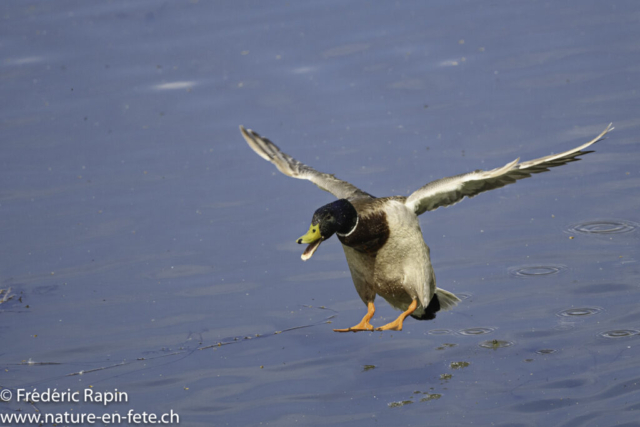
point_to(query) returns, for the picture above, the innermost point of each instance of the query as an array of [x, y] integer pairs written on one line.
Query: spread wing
[[293, 168], [448, 191]]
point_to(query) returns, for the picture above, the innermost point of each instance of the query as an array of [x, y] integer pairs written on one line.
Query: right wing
[[293, 168], [451, 190]]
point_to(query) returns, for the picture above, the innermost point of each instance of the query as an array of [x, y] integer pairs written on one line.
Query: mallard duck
[[381, 237]]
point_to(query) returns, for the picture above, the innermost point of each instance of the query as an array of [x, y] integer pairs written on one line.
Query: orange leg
[[396, 325], [364, 324]]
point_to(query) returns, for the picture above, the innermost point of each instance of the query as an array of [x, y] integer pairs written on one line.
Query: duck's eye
[[314, 230]]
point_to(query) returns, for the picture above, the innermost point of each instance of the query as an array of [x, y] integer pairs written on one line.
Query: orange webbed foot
[[396, 325], [364, 324]]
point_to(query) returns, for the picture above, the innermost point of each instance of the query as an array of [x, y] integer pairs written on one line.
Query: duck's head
[[337, 217]]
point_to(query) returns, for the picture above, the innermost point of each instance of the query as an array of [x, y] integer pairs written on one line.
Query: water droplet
[[619, 333], [604, 227], [582, 311]]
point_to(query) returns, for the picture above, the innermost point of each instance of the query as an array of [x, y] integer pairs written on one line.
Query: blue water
[[140, 231]]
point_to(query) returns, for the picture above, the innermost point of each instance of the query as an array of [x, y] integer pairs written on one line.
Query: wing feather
[[295, 169], [451, 190]]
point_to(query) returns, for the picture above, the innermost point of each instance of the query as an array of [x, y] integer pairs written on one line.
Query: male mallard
[[381, 237]]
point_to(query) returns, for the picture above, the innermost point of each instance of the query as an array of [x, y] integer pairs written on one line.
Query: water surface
[[146, 248]]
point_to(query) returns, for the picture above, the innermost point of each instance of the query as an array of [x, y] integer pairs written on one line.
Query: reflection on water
[[174, 85]]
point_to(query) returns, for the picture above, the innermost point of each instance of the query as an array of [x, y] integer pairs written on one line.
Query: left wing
[[451, 190], [295, 169]]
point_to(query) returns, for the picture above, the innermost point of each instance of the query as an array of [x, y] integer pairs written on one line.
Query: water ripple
[[536, 270], [582, 311], [603, 227], [619, 333], [476, 331]]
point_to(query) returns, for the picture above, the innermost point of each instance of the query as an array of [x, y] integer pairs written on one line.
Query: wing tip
[[608, 129], [256, 143], [600, 137], [246, 132]]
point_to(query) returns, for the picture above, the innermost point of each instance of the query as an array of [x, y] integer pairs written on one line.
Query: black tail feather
[[431, 310]]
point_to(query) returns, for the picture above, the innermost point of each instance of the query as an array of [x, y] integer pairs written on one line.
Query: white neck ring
[[352, 230]]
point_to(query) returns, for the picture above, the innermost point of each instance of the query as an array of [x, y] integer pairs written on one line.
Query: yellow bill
[[313, 238]]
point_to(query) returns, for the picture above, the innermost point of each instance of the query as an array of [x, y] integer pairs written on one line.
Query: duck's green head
[[337, 217]]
